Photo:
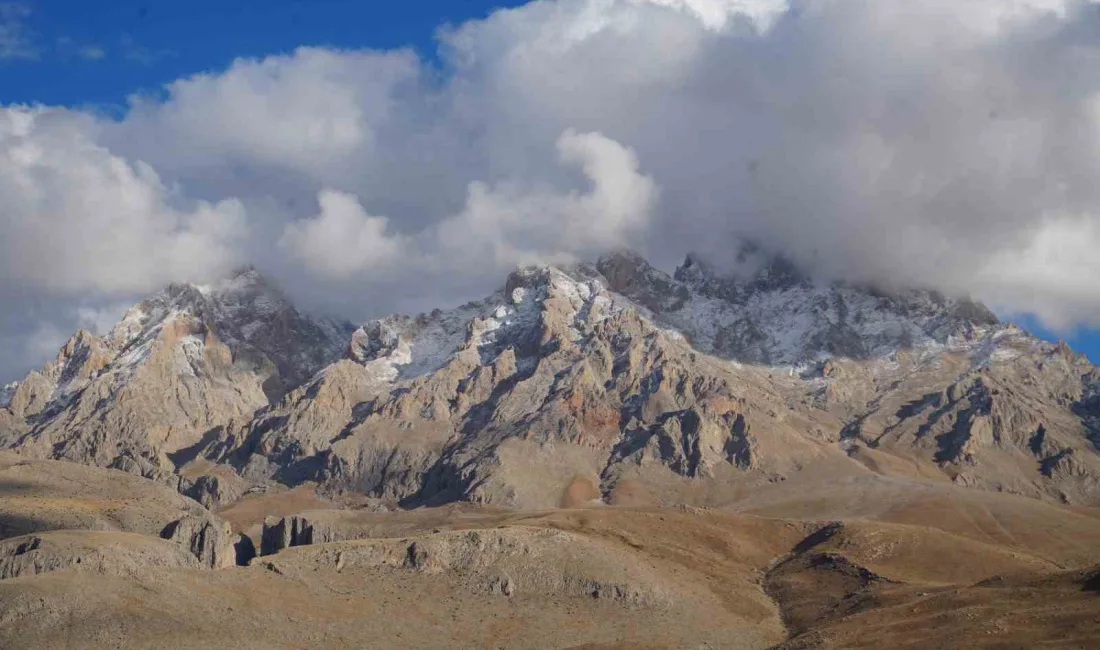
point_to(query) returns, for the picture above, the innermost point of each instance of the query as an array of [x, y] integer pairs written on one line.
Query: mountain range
[[611, 382], [596, 455]]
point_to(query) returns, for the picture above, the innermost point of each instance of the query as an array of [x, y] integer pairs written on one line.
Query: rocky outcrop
[[285, 532], [214, 491], [498, 562], [691, 443], [630, 275], [105, 553], [211, 540]]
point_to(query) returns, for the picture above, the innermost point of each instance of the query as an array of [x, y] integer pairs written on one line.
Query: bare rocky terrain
[[594, 456]]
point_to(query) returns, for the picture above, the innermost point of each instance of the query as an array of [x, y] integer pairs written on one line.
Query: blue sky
[[94, 55], [98, 53], [1083, 340]]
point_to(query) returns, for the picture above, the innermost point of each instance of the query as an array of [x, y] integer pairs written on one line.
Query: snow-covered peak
[[773, 315], [532, 301], [246, 289], [764, 309], [244, 278]]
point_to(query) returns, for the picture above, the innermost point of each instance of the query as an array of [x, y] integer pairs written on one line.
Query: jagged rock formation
[[1016, 418], [211, 540], [779, 316], [622, 374], [315, 527], [214, 491], [465, 404], [177, 368], [285, 532], [613, 380]]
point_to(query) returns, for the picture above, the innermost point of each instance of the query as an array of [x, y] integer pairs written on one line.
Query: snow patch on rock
[[401, 348]]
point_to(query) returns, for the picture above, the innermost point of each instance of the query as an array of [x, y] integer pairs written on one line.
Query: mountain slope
[[618, 382], [177, 366], [613, 382]]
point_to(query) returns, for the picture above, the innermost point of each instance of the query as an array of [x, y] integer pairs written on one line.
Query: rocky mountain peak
[[629, 274], [751, 270], [244, 290], [621, 369], [762, 308], [755, 270], [248, 314], [179, 364], [536, 307], [247, 288], [765, 310]]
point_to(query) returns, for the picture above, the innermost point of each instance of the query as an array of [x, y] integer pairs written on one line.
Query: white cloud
[[1055, 264], [513, 223], [342, 240], [716, 14], [308, 113], [77, 218], [945, 142], [501, 226]]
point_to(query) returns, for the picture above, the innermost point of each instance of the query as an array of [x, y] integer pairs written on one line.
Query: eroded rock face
[[554, 359], [285, 532], [618, 372], [177, 368], [211, 540], [609, 374], [316, 527]]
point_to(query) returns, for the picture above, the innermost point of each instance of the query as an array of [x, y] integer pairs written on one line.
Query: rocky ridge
[[616, 374], [178, 366], [610, 382]]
